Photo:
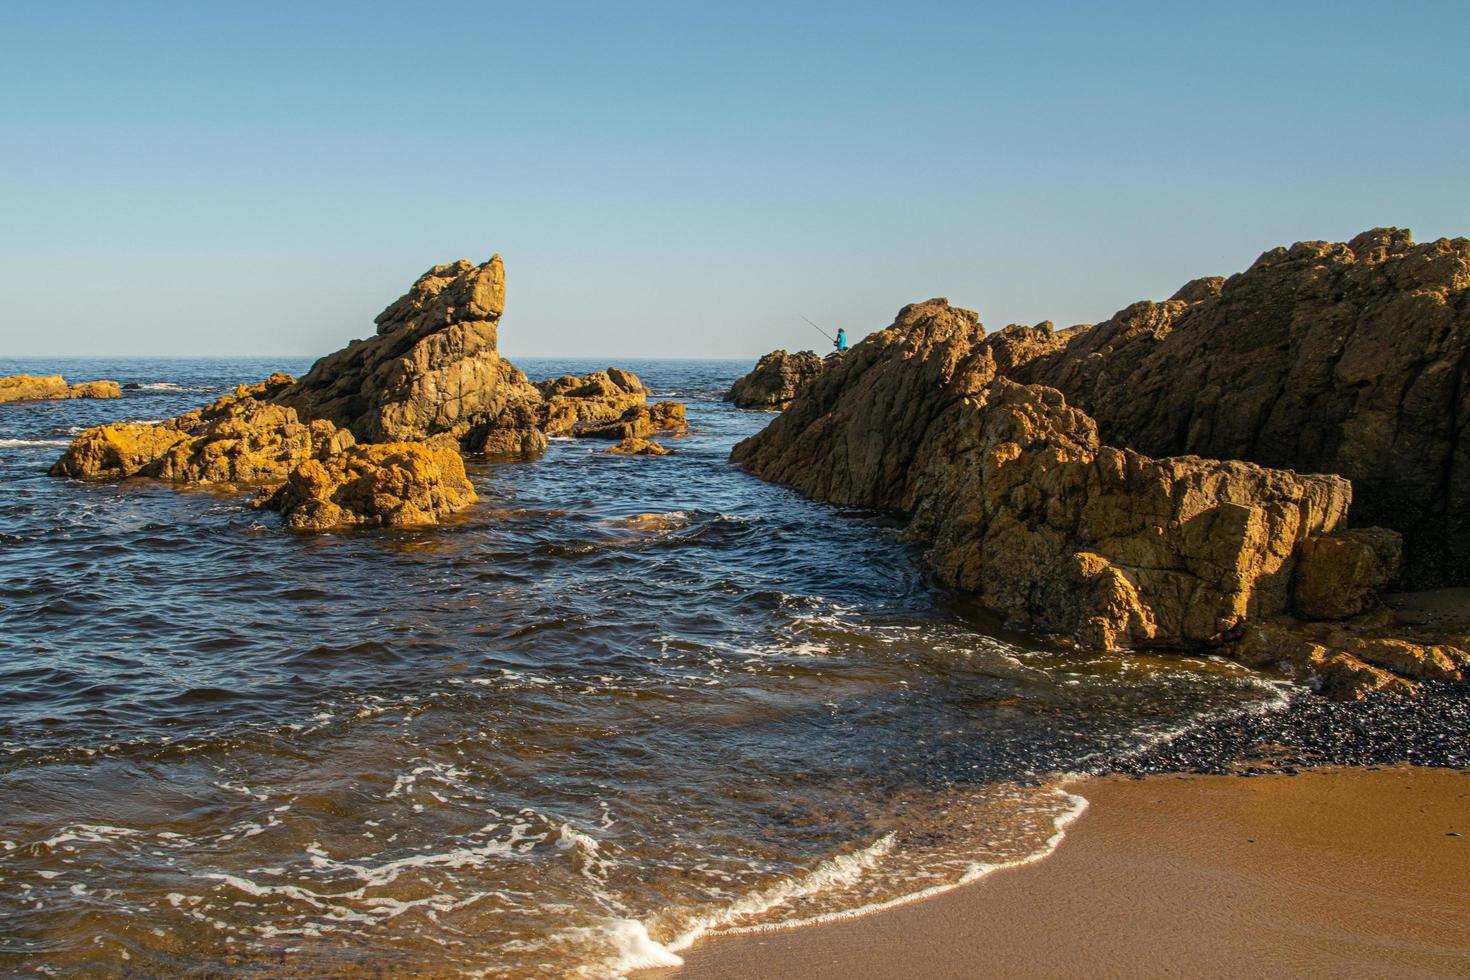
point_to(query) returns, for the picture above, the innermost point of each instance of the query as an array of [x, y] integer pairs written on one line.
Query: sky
[[689, 179]]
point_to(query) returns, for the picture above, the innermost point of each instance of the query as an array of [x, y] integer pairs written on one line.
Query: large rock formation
[[1340, 358], [433, 367], [432, 374], [242, 438], [776, 380], [29, 387], [1020, 503], [401, 484]]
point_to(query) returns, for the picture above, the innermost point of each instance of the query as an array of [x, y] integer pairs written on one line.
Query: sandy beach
[[1346, 873]]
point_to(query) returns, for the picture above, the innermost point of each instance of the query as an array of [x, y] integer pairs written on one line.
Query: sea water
[[617, 706]]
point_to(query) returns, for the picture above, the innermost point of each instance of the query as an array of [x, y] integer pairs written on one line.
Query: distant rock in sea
[[776, 380], [1064, 525], [431, 375], [29, 387]]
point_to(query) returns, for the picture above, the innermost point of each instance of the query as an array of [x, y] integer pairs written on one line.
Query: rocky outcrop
[[776, 380], [1021, 505], [638, 422], [433, 367], [242, 438], [602, 396], [637, 447], [1019, 500], [1348, 358], [401, 484], [29, 387], [431, 376]]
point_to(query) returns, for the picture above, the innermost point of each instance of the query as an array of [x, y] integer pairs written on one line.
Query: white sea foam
[[635, 949], [832, 873], [1077, 805], [88, 833], [31, 443]]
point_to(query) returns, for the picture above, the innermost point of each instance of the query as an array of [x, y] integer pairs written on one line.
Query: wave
[[171, 386], [635, 949], [32, 443]]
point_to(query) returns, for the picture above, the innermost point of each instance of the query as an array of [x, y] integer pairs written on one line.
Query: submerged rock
[[29, 387], [400, 484], [242, 438], [637, 447], [776, 380]]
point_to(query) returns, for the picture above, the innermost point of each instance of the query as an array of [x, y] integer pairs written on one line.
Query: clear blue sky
[[684, 179]]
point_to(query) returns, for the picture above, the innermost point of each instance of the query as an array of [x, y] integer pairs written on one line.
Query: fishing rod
[[821, 331]]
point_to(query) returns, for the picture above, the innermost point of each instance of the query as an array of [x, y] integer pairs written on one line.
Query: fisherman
[[841, 342]]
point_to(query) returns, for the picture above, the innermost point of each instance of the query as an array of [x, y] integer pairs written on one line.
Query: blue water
[[618, 696]]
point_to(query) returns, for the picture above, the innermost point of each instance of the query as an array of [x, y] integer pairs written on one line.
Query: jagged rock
[[1020, 503], [402, 484], [852, 436], [112, 452], [240, 438], [1340, 358], [29, 387], [638, 422], [433, 367], [776, 380], [602, 396], [1021, 506], [637, 447], [1341, 575]]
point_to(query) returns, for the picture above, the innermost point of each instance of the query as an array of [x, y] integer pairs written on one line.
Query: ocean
[[619, 704]]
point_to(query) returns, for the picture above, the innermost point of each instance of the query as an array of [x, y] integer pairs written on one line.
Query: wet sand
[[1343, 873]]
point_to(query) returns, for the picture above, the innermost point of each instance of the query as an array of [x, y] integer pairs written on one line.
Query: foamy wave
[[171, 386], [27, 443], [1077, 805]]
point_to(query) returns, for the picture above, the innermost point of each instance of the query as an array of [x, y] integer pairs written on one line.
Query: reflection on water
[[622, 702]]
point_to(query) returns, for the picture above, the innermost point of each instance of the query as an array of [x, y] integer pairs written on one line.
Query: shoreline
[[1345, 871]]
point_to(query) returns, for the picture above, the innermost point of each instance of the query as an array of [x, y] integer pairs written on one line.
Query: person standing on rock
[[841, 342]]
